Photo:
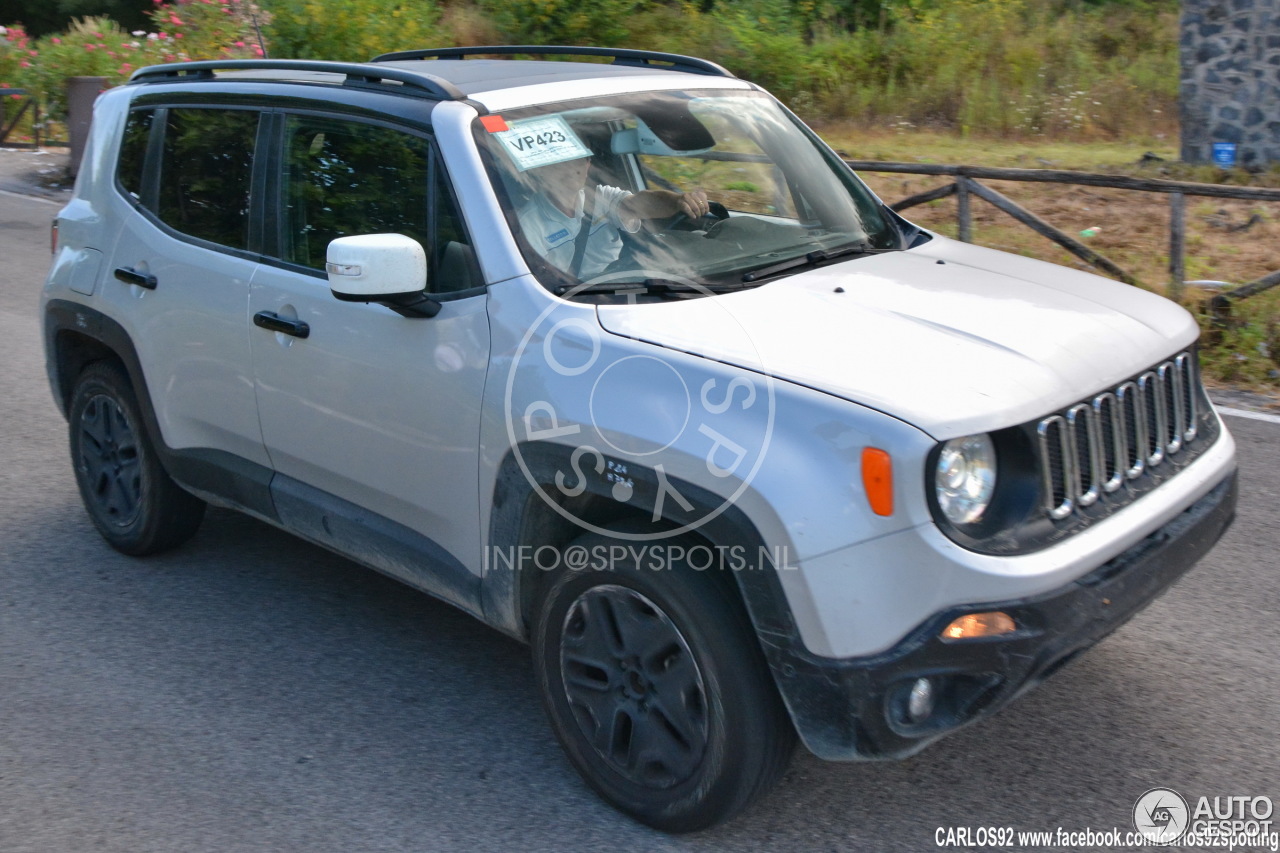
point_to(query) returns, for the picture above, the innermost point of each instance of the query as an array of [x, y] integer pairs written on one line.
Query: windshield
[[674, 189]]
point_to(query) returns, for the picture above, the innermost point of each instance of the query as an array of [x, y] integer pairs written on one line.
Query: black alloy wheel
[[634, 686], [656, 686], [108, 461], [128, 494]]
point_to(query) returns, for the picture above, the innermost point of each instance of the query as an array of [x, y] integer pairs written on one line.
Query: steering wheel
[[716, 212]]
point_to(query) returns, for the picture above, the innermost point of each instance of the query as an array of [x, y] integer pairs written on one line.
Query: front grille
[[1121, 436]]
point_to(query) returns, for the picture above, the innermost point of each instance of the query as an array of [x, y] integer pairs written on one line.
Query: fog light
[[920, 700], [973, 625]]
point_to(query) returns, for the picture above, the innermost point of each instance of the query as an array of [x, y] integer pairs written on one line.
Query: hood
[[952, 338]]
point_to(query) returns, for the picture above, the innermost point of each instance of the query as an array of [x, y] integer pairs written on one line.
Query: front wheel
[[132, 500], [657, 689]]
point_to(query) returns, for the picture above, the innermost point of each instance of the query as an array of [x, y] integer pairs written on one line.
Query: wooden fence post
[[964, 221], [1035, 223], [1177, 244]]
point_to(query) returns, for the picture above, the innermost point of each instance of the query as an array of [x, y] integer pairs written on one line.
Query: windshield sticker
[[541, 142], [493, 124]]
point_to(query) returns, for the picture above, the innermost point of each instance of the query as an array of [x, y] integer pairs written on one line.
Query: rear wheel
[[131, 499], [657, 689]]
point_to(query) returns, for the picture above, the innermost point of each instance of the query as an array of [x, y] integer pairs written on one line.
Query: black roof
[[486, 75], [444, 73]]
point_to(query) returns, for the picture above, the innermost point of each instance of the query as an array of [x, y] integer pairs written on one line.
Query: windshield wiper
[[812, 259], [648, 285]]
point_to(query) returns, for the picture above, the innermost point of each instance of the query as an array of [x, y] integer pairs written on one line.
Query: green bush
[[98, 47], [1071, 69], [16, 54], [588, 22], [350, 30], [91, 47]]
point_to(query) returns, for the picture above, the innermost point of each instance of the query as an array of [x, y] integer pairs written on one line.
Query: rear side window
[[205, 174], [133, 152]]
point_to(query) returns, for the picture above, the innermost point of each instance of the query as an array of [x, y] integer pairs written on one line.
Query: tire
[[656, 687], [129, 496]]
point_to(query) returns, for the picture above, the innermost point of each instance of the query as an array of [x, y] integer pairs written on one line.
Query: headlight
[[965, 478]]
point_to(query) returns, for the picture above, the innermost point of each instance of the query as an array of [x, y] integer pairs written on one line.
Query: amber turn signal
[[973, 625], [877, 480]]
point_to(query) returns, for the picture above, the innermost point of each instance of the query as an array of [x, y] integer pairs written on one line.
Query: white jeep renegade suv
[[623, 360]]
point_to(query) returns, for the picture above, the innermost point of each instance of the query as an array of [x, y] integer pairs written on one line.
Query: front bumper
[[856, 708]]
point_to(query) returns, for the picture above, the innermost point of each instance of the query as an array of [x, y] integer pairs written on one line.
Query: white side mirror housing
[[386, 268], [370, 266]]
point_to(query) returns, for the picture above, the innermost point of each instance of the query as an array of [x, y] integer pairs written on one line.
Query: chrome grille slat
[[1135, 427], [1171, 380], [1149, 390], [1093, 448], [1084, 442], [1190, 381], [1114, 445], [1058, 466]]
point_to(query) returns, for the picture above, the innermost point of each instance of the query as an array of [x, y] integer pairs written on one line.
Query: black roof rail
[[413, 82], [637, 58]]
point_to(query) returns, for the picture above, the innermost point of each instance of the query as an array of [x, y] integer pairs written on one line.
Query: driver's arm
[[660, 204]]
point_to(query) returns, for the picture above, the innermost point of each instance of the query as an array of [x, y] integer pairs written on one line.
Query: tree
[[50, 17]]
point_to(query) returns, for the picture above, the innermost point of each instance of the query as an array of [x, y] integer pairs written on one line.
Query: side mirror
[[390, 269]]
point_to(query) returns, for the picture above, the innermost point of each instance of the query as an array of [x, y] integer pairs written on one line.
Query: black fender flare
[[237, 481]]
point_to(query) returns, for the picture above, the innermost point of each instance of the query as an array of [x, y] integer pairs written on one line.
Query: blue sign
[[1224, 153]]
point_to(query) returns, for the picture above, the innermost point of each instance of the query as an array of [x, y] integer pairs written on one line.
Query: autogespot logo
[[1161, 815], [633, 419]]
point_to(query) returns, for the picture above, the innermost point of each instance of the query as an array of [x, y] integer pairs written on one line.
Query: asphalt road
[[249, 692]]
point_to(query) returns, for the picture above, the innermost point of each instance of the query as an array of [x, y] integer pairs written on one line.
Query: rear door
[[179, 272]]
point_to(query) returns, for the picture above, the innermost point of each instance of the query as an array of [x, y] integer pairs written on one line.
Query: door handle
[[132, 276], [276, 323]]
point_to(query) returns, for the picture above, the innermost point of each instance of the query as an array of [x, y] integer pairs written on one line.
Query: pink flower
[[124, 66], [177, 22], [24, 64], [257, 49], [56, 40], [177, 35], [88, 47], [239, 44]]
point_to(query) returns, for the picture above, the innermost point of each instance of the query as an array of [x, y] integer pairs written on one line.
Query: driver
[[578, 232]]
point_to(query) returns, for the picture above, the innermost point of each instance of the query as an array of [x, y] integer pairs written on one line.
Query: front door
[[372, 410]]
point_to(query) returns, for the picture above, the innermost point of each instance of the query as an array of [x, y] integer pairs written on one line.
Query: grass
[[925, 146]]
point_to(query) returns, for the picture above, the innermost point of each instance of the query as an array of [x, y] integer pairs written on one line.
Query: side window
[[205, 173], [453, 263], [343, 178], [133, 152]]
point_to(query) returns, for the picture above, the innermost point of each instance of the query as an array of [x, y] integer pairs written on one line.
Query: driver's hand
[[694, 204]]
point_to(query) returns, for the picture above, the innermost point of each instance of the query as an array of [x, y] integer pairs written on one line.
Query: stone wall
[[1231, 79]]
